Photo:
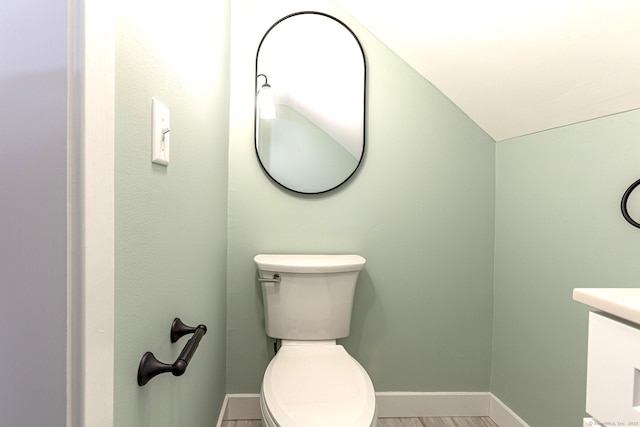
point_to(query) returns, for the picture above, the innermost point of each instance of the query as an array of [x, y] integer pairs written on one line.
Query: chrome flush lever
[[276, 279]]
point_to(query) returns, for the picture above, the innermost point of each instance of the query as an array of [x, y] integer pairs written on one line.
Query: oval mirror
[[310, 102]]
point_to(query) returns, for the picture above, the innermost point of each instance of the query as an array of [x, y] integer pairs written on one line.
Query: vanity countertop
[[621, 302]]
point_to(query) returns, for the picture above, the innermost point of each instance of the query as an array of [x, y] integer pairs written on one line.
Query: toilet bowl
[[316, 384], [312, 381]]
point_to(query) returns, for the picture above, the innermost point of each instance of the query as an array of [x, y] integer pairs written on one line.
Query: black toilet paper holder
[[150, 366]]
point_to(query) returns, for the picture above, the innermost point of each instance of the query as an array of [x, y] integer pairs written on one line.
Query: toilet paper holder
[[150, 366]]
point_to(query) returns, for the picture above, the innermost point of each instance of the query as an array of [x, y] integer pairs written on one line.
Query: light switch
[[160, 132]]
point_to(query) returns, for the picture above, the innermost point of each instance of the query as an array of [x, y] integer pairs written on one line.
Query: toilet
[[312, 381]]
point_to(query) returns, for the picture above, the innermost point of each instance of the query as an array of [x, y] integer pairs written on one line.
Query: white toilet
[[312, 381]]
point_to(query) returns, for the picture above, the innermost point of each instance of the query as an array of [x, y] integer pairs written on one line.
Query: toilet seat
[[317, 385]]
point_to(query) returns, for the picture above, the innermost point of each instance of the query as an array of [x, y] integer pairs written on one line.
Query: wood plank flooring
[[437, 422], [402, 422]]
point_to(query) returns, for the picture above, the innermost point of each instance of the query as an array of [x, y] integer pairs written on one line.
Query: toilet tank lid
[[287, 263]]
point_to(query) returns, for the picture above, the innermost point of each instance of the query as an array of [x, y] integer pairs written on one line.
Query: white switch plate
[[160, 132]]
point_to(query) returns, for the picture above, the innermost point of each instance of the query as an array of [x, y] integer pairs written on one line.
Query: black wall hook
[[150, 366]]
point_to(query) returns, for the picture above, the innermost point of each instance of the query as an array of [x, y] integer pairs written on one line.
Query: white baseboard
[[224, 411], [412, 404], [502, 415], [398, 405], [241, 407]]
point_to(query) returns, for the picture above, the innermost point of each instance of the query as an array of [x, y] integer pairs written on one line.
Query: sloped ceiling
[[517, 67]]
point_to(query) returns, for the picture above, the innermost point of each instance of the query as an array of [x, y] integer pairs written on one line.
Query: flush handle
[[276, 279]]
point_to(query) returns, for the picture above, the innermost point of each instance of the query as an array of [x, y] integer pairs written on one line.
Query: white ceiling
[[517, 67]]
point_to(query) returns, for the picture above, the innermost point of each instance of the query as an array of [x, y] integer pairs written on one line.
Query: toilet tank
[[313, 298]]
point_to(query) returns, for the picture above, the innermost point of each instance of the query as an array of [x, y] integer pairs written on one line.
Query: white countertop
[[621, 302]]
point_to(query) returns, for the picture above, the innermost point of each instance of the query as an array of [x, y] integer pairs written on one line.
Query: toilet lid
[[318, 386]]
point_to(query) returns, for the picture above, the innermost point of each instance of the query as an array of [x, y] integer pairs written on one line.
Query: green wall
[[171, 222], [448, 301], [558, 227], [420, 210]]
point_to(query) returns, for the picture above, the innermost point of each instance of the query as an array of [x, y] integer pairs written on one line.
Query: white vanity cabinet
[[613, 375], [613, 361]]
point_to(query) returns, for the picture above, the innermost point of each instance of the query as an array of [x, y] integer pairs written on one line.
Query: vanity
[[613, 364]]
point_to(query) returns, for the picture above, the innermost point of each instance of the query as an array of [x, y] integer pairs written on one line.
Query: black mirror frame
[[364, 107]]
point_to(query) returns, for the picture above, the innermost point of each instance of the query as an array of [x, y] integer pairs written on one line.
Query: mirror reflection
[[310, 102]]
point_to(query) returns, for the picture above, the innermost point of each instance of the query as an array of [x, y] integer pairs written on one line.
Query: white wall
[[33, 197]]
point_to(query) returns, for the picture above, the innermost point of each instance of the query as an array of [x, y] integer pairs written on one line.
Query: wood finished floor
[[402, 422]]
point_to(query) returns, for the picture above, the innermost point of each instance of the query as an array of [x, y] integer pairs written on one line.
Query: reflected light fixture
[[265, 101]]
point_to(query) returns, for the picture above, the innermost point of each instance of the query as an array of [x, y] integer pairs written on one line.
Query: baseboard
[[502, 415], [398, 405], [241, 407], [412, 404], [224, 411]]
